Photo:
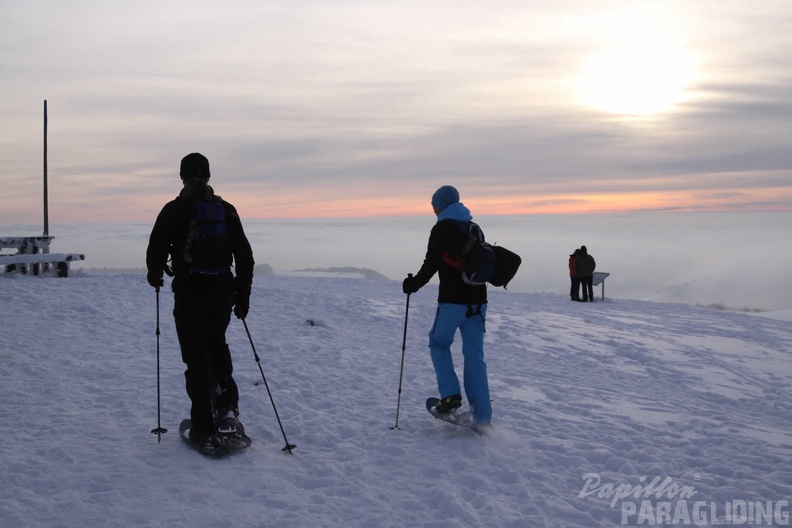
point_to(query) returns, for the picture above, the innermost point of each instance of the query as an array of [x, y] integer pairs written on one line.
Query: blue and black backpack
[[480, 262], [206, 249]]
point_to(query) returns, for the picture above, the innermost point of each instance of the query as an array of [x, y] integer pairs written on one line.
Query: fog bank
[[739, 260]]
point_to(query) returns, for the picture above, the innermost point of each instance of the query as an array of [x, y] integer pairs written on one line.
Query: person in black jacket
[[204, 297], [584, 268], [460, 306]]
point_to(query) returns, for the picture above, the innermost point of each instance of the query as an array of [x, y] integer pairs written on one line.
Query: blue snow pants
[[448, 319]]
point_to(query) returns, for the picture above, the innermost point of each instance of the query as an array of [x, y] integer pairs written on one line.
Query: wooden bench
[[599, 278], [33, 256]]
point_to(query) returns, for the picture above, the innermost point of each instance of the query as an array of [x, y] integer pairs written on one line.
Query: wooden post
[[46, 210]]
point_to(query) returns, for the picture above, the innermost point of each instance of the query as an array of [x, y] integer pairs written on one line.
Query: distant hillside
[[365, 272], [261, 270]]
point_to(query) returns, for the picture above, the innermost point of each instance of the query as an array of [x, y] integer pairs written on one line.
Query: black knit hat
[[194, 166]]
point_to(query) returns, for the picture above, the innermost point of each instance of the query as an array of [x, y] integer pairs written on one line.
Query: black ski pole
[[288, 446], [401, 370], [159, 431]]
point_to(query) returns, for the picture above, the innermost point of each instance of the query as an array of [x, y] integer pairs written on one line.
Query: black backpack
[[206, 249], [480, 262]]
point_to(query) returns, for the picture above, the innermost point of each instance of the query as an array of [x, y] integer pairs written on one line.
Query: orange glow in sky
[[317, 205], [696, 200]]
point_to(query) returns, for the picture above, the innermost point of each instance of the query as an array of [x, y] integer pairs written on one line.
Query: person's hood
[[455, 211]]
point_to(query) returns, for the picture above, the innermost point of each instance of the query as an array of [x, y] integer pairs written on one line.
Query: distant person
[[574, 290], [460, 306], [584, 268], [203, 235]]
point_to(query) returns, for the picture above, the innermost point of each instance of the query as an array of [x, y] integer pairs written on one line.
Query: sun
[[640, 69]]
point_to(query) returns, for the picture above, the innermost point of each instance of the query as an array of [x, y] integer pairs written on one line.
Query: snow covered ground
[[611, 413]]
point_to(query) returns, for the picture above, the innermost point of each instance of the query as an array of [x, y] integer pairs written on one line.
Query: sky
[[355, 109]]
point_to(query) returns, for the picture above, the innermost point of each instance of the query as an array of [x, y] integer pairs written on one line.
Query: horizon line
[[363, 216]]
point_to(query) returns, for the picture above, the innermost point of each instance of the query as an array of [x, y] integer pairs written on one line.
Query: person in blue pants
[[460, 307]]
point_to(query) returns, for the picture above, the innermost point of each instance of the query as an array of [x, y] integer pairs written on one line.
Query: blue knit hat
[[444, 196]]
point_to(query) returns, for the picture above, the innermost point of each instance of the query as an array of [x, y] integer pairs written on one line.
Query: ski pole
[[288, 446], [159, 430], [401, 370]]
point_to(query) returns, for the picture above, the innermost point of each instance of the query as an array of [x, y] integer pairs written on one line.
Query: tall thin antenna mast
[[46, 211]]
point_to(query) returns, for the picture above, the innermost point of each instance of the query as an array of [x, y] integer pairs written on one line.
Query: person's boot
[[208, 444], [229, 422], [449, 404]]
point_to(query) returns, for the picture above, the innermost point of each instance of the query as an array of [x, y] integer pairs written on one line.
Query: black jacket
[[445, 236], [170, 232], [585, 265]]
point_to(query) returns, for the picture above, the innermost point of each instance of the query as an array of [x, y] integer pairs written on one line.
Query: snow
[[592, 404]]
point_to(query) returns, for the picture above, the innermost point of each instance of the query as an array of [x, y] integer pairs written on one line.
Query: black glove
[[155, 279], [409, 286], [241, 308]]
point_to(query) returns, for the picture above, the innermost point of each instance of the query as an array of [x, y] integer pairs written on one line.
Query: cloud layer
[[346, 109]]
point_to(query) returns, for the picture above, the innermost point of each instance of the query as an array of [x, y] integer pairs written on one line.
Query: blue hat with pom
[[444, 196]]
